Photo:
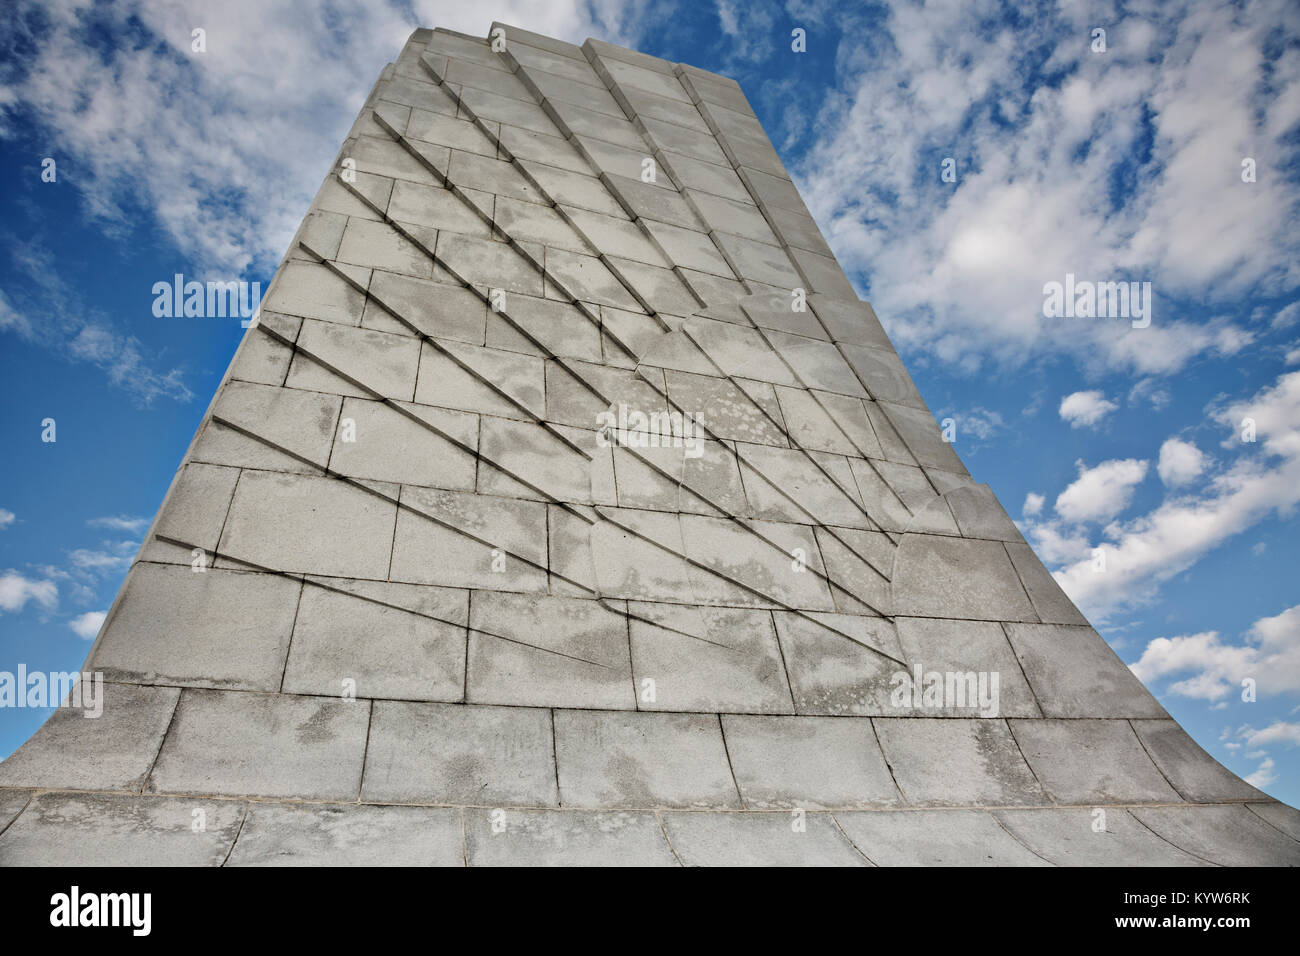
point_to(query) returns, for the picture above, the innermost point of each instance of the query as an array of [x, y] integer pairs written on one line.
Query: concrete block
[[837, 663], [807, 762], [488, 380], [113, 751], [758, 839], [297, 523], [453, 754], [566, 838], [1066, 837], [373, 362], [386, 445], [1091, 762], [1190, 770], [630, 760], [956, 763], [937, 576], [349, 835], [707, 659], [377, 639], [963, 648], [83, 829], [935, 838], [217, 628], [263, 745], [531, 650]]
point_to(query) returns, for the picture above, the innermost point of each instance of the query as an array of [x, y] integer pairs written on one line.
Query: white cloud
[[1103, 174], [87, 625], [109, 558], [1214, 668], [1085, 409], [1033, 504], [1264, 775], [1101, 492], [126, 523], [1145, 551], [16, 590], [1180, 462], [6, 518]]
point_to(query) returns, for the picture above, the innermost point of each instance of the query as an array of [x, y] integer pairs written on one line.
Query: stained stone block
[[955, 763], [486, 263], [614, 236], [1282, 817], [758, 839], [264, 745], [348, 835], [311, 290], [839, 664], [679, 139], [539, 148], [935, 838], [883, 374], [434, 127], [449, 538], [657, 290], [573, 188], [1074, 673], [395, 641], [743, 564], [725, 409], [1051, 603], [521, 460], [218, 628], [1228, 836], [938, 576], [576, 121], [533, 650], [484, 105], [453, 754], [974, 651], [436, 207], [1066, 837], [566, 838], [297, 523], [822, 272], [373, 363], [82, 829], [488, 380], [856, 571], [656, 477], [377, 245], [299, 422], [750, 259], [924, 440], [428, 448], [110, 752], [1091, 762], [193, 513], [588, 279], [629, 760], [707, 659], [978, 513], [1190, 770], [792, 485], [544, 327], [740, 351], [696, 175], [12, 803], [807, 762], [640, 555]]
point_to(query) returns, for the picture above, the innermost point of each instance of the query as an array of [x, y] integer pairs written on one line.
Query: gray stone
[[548, 651], [217, 628], [947, 762], [374, 363], [348, 835], [113, 751], [758, 839], [263, 745], [1074, 673], [839, 664], [1226, 835], [1190, 770], [937, 576], [1091, 762], [974, 651], [1087, 837], [408, 444], [630, 760], [808, 762], [82, 829], [565, 838], [454, 754], [377, 639], [934, 838]]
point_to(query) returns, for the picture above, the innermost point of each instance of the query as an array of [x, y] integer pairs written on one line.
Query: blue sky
[[1115, 165]]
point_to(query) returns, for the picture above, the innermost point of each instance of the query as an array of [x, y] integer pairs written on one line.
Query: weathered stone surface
[[1074, 673], [609, 759], [565, 838], [85, 829], [348, 835], [957, 762], [758, 839], [454, 754], [1091, 761], [1108, 836], [1226, 835], [935, 838]]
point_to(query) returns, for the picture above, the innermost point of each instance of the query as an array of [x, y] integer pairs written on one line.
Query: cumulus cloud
[[1033, 504], [1101, 492], [1123, 168], [127, 523], [1180, 462], [16, 590], [87, 625], [6, 518], [1145, 551], [1085, 409]]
